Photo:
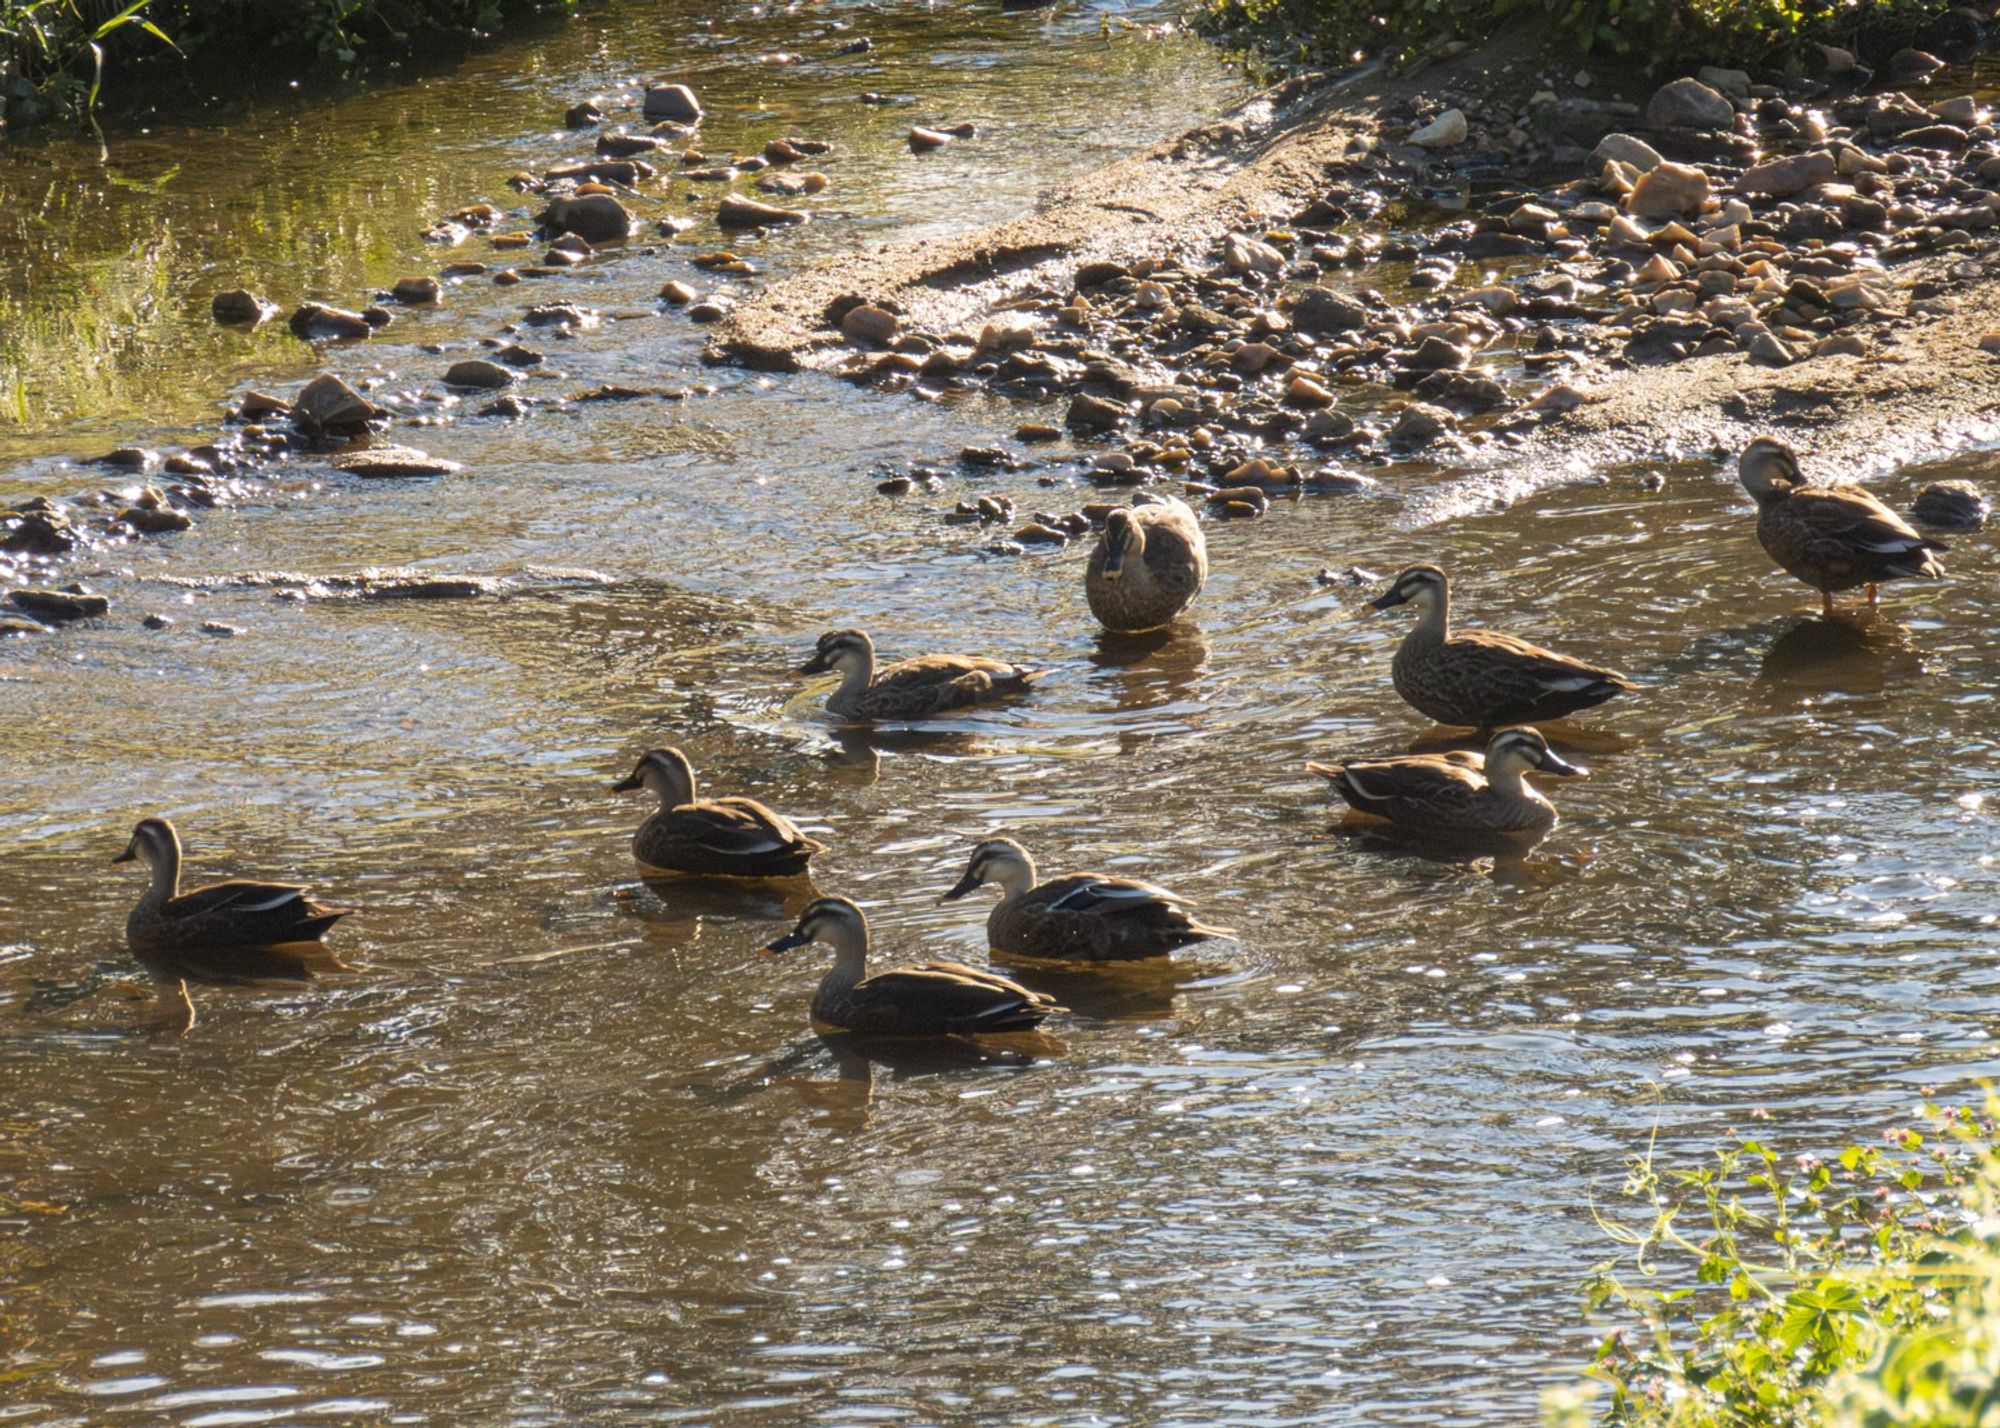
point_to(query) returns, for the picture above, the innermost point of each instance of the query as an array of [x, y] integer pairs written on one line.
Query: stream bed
[[561, 1148]]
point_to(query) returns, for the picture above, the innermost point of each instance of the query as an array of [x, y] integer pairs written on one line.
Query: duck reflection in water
[[1849, 652], [1155, 668]]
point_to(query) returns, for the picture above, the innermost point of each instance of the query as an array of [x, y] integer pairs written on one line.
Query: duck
[[913, 688], [1831, 537], [1481, 679], [1147, 566], [928, 999], [1458, 792], [1081, 917], [721, 837], [221, 917]]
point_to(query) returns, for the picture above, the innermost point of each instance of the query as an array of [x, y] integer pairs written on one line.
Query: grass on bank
[[1740, 33], [1766, 1291], [54, 53]]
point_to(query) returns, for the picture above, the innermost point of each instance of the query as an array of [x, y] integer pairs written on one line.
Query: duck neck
[[850, 961], [672, 790], [856, 674], [164, 863], [1015, 876], [1505, 778], [1433, 619]]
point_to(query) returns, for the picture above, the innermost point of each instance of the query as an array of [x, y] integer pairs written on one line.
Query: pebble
[[1447, 131], [239, 305], [595, 218], [678, 293], [316, 321], [675, 103], [923, 141], [385, 461], [416, 290], [59, 605], [477, 372], [869, 324], [739, 212]]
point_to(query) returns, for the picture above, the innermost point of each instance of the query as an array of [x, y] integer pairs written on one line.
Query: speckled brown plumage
[[1147, 566], [1831, 537], [1457, 792], [219, 918], [1481, 679], [916, 688], [924, 1000], [1082, 917], [721, 837]]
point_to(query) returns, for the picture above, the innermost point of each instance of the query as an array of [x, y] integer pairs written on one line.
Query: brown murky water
[[561, 1150]]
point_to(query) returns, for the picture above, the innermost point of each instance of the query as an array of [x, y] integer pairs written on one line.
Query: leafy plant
[[1768, 1291]]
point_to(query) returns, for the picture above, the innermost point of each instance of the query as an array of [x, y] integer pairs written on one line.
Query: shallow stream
[[561, 1149]]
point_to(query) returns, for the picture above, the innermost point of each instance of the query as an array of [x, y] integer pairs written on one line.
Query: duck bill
[[626, 785], [1388, 601], [959, 889], [130, 855], [784, 944], [1554, 763], [1114, 562], [815, 665]]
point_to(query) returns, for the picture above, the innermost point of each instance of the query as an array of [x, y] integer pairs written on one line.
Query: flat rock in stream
[[394, 461], [736, 212], [59, 605]]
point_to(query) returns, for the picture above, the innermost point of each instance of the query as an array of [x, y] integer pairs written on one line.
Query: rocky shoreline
[[1468, 262]]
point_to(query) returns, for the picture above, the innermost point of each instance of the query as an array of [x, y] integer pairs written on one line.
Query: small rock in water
[[673, 102], [1956, 505], [477, 372], [595, 218], [1789, 175], [130, 458], [737, 212], [1088, 414], [922, 141], [1446, 131], [416, 290], [327, 406], [59, 605], [1419, 424], [158, 621], [394, 461], [678, 293], [222, 630], [582, 116], [316, 321], [241, 305]]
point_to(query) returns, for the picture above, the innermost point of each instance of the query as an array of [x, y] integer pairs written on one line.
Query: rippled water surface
[[561, 1149]]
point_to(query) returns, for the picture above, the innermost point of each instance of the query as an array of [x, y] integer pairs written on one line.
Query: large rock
[[1689, 104], [1321, 310], [1446, 131], [595, 217], [327, 406], [1669, 191], [1789, 175], [1624, 149], [1733, 82], [673, 102]]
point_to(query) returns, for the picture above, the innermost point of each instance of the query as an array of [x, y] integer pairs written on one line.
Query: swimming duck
[[1458, 792], [912, 688], [1481, 679], [220, 917], [1831, 537], [1084, 917], [726, 837], [931, 999], [1147, 567]]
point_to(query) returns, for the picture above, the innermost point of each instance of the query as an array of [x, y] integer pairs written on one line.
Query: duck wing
[[1144, 914], [1846, 526], [1420, 786], [269, 913], [743, 825], [940, 999], [931, 682], [1519, 683]]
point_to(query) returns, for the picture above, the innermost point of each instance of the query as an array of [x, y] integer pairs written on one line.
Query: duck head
[[666, 773], [841, 650], [997, 860], [1769, 470]]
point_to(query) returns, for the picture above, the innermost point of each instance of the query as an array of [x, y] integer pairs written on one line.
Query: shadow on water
[[1854, 652]]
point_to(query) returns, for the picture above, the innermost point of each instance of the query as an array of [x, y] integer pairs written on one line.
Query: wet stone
[[477, 372], [675, 103], [241, 306], [1953, 505], [59, 605], [582, 116], [1090, 415], [327, 406], [416, 290], [317, 322], [394, 461], [594, 217]]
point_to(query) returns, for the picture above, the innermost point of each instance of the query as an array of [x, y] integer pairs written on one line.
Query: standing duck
[[1147, 567], [1084, 917], [722, 837], [1831, 537], [221, 917], [912, 688], [1481, 679], [931, 999], [1457, 793]]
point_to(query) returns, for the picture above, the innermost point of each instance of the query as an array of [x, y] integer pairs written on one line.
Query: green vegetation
[[54, 53], [1779, 1292], [1737, 31]]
